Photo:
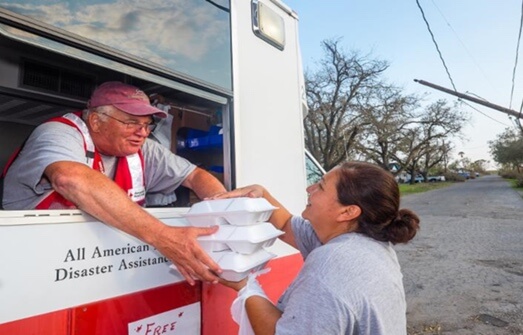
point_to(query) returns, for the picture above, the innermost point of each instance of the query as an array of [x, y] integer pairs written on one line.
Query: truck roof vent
[[47, 78]]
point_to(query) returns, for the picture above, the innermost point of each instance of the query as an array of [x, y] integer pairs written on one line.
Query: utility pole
[[508, 111]]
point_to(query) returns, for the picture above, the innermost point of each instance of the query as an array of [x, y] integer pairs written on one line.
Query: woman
[[351, 281]]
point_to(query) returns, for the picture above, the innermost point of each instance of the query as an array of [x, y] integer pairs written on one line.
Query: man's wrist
[[154, 232]]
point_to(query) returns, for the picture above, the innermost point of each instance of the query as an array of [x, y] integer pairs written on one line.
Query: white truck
[[232, 65]]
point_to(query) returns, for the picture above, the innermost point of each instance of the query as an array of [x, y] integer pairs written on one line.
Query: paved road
[[463, 272]]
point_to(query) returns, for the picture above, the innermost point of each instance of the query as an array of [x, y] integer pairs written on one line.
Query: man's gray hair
[[100, 109]]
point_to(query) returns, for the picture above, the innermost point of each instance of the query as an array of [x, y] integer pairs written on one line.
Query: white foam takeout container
[[241, 239], [237, 266], [235, 211]]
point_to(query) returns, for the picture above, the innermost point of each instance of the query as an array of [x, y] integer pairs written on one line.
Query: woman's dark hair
[[375, 191]]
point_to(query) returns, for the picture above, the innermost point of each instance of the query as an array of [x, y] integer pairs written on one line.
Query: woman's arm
[[263, 315]]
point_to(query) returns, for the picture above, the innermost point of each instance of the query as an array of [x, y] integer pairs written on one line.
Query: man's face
[[116, 133]]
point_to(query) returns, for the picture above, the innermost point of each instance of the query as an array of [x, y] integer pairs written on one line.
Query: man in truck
[[102, 162]]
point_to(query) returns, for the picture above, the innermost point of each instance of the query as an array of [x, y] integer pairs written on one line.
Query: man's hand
[[180, 246]]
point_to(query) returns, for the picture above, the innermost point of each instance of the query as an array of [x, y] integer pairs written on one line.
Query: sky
[[478, 41]]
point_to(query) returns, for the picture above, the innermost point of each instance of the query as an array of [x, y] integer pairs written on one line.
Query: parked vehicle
[[404, 177], [420, 179], [436, 178], [464, 174], [417, 179]]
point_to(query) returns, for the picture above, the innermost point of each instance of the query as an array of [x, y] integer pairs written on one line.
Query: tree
[[507, 149], [422, 145], [385, 112], [333, 92], [400, 131], [353, 113], [439, 122], [479, 165], [435, 154]]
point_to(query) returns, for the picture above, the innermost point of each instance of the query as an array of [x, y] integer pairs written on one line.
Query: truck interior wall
[[12, 135]]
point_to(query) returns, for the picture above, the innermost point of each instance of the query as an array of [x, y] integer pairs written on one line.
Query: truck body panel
[[64, 272]]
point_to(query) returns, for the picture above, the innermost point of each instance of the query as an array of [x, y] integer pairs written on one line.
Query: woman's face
[[323, 210]]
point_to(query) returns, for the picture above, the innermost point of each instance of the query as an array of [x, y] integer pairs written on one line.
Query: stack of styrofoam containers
[[239, 244]]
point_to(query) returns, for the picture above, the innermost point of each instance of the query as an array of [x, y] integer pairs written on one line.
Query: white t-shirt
[[351, 285], [51, 142]]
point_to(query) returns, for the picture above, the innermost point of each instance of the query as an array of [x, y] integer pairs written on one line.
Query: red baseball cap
[[127, 98]]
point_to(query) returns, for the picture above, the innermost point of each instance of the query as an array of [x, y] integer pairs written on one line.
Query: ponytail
[[403, 228], [376, 192]]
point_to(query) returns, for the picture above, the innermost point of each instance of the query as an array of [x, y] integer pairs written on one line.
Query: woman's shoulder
[[354, 253], [351, 243]]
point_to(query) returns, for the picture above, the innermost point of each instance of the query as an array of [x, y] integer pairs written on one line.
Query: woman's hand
[[235, 285], [251, 191]]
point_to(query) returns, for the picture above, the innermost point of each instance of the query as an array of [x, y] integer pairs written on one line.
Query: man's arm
[[203, 183], [99, 196]]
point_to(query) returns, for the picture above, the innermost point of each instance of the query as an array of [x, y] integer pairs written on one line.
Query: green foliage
[[515, 177], [519, 182], [421, 187], [509, 174], [507, 149]]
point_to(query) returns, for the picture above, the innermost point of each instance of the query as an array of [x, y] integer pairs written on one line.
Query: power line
[[474, 94], [477, 110], [516, 60], [463, 44], [518, 120], [220, 7], [436, 44]]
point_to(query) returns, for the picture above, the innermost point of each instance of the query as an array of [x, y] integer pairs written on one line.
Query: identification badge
[[137, 194]]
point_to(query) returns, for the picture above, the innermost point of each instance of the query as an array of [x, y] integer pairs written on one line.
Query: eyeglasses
[[135, 126]]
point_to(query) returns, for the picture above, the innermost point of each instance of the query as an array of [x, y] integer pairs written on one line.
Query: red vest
[[129, 173]]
